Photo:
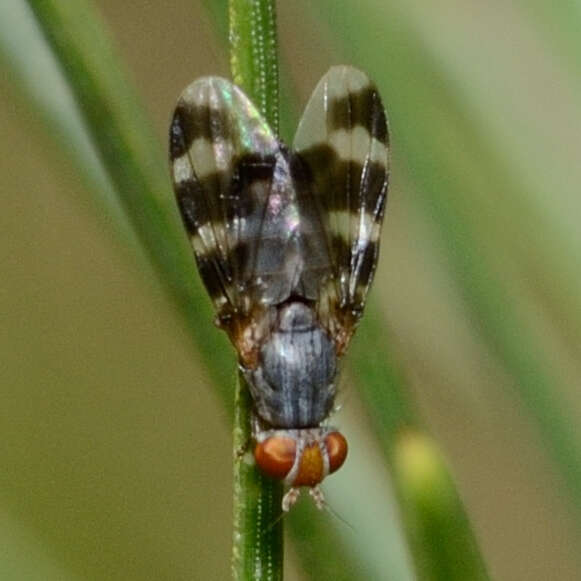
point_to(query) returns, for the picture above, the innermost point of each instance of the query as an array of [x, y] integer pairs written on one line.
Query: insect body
[[286, 242]]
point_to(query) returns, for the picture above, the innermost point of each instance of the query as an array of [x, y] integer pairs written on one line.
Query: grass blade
[[257, 541]]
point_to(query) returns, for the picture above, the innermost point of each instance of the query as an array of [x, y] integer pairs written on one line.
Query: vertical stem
[[257, 549], [254, 54], [257, 543]]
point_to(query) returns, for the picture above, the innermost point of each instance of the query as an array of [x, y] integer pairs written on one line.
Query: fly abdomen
[[294, 383]]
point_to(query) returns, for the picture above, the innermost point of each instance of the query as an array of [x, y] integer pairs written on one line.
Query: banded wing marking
[[233, 189], [343, 140]]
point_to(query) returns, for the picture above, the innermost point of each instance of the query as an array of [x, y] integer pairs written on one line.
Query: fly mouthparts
[[290, 498]]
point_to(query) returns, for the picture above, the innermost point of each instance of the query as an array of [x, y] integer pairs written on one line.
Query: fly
[[286, 242]]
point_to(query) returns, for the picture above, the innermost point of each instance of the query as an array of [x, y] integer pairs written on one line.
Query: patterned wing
[[343, 140], [235, 194]]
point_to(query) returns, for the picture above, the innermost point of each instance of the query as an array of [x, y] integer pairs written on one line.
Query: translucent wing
[[343, 140], [233, 186]]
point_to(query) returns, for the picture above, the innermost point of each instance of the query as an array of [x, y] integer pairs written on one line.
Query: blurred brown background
[[115, 453]]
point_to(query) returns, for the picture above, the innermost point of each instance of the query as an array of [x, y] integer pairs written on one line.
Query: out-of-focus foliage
[[115, 457]]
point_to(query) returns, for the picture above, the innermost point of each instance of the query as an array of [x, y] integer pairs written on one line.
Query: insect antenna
[[334, 513], [274, 523]]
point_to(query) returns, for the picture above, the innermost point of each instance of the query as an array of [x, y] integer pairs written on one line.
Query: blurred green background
[[115, 452]]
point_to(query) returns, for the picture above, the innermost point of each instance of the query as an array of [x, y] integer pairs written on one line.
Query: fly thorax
[[294, 383]]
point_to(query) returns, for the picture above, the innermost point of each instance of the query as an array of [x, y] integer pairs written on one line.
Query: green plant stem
[[254, 54], [257, 542], [257, 548]]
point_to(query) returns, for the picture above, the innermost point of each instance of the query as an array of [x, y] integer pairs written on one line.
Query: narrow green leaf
[[32, 70], [439, 532], [437, 527], [380, 380], [257, 542]]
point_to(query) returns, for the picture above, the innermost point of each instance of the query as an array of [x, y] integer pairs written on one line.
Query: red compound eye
[[336, 449], [276, 456]]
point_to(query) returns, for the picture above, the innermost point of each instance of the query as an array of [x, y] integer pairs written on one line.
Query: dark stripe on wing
[[353, 196], [178, 145], [240, 201], [241, 254], [251, 172], [254, 166], [301, 175], [362, 108], [363, 269], [212, 276], [219, 271], [331, 175], [340, 246], [192, 122], [193, 208]]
